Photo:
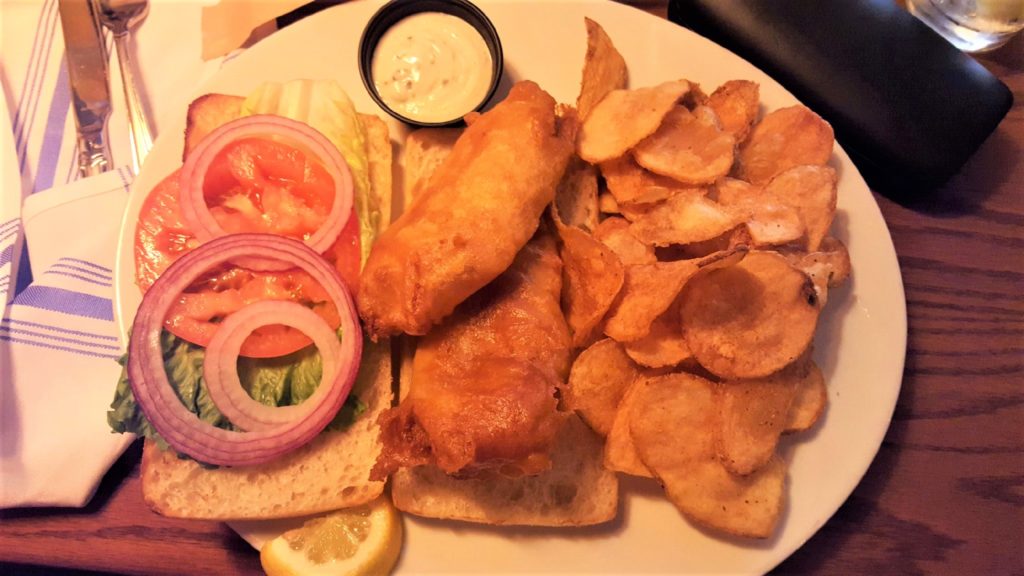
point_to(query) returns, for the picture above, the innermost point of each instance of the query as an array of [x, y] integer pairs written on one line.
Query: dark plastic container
[[908, 106], [396, 10]]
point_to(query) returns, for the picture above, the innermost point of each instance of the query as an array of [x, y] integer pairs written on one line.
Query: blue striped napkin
[[60, 346], [58, 241], [10, 209]]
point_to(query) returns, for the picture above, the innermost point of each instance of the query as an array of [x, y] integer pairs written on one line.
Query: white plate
[[860, 345]]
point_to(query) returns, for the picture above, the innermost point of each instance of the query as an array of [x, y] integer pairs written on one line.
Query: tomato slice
[[207, 302], [253, 186], [257, 185]]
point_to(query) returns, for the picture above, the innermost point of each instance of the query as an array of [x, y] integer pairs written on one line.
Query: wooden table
[[944, 495]]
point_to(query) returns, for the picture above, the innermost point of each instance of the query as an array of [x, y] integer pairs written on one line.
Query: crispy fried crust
[[487, 378], [475, 213], [576, 491]]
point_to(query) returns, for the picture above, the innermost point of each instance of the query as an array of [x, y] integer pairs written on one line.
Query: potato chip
[[751, 319], [620, 454], [649, 289], [630, 183], [689, 147], [722, 258], [664, 345], [736, 238], [754, 414], [598, 380], [736, 104], [735, 192], [675, 439], [593, 277], [607, 204], [828, 267], [785, 138], [614, 233], [634, 212], [625, 117], [769, 221], [809, 401], [811, 191], [774, 225], [682, 219], [604, 69], [831, 258], [576, 198]]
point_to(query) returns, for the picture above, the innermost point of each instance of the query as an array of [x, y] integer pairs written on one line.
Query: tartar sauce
[[432, 67]]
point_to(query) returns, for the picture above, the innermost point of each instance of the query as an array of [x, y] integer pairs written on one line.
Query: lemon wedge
[[355, 541]]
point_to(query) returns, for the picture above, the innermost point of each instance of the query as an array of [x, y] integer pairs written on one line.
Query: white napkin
[[10, 210], [58, 341], [60, 346]]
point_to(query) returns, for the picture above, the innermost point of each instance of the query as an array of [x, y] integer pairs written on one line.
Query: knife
[[90, 95]]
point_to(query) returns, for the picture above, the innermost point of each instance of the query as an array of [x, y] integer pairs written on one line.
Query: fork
[[121, 16]]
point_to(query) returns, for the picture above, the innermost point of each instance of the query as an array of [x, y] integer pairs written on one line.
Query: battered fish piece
[[483, 389], [475, 213]]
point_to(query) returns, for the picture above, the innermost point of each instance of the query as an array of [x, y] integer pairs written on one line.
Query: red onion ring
[[181, 428], [196, 214], [220, 368]]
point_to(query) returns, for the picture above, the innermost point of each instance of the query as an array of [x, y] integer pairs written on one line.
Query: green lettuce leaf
[[267, 384], [124, 415], [325, 106], [184, 367], [283, 381], [305, 378]]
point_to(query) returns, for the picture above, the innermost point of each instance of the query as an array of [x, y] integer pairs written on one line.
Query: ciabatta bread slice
[[576, 491], [330, 472]]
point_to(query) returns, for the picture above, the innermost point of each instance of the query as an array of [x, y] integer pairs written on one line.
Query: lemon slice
[[361, 540]]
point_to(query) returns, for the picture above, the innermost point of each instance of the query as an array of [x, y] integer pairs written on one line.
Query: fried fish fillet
[[483, 390], [475, 213]]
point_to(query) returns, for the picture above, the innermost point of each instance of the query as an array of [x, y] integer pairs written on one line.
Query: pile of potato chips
[[695, 240]]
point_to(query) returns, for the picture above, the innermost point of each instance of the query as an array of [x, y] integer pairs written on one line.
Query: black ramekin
[[396, 10]]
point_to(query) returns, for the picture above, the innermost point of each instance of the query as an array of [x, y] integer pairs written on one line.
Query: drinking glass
[[972, 25]]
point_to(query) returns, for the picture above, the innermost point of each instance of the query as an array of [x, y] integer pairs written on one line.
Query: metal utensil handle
[[139, 135], [92, 154]]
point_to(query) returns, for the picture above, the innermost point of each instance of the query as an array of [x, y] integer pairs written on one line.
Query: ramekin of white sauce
[[430, 62]]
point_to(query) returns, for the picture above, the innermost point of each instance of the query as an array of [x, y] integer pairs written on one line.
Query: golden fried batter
[[478, 209], [483, 390]]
